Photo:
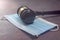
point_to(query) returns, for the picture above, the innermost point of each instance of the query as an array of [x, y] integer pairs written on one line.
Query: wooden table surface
[[9, 32]]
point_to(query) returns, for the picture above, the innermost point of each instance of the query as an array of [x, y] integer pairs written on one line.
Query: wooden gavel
[[28, 16]]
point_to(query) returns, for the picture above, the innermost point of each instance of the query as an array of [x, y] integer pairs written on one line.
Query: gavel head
[[26, 14]]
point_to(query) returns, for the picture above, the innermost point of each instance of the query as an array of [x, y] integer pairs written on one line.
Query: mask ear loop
[[55, 29]]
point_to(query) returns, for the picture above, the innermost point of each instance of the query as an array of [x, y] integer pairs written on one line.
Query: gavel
[[28, 16]]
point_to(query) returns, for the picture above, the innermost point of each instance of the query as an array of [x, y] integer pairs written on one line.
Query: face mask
[[39, 26]]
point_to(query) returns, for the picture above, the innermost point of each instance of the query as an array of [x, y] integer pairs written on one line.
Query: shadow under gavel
[[28, 16]]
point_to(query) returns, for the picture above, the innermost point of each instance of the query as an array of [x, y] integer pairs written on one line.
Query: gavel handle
[[48, 12]]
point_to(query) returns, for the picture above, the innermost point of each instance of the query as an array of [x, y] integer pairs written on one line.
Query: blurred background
[[10, 32], [11, 6]]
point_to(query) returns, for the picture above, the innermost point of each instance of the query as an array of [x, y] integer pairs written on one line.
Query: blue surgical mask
[[39, 26]]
